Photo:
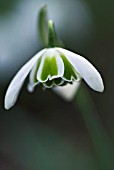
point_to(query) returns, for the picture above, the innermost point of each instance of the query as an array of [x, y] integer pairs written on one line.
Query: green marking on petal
[[48, 83], [49, 68], [54, 82], [58, 81], [69, 71]]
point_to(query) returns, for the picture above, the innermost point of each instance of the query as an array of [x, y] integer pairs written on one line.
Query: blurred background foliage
[[43, 131]]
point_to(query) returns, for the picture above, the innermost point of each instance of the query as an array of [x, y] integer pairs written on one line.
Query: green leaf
[[43, 24]]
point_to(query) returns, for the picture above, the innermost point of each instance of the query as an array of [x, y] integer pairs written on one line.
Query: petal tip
[[30, 88], [99, 86], [10, 99], [7, 106], [102, 88]]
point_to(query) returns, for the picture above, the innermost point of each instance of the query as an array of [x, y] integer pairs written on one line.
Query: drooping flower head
[[53, 67]]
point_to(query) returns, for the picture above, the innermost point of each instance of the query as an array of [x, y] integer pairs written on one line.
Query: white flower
[[53, 67]]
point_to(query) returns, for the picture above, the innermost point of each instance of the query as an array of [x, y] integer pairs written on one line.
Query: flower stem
[[47, 30], [100, 140], [51, 34]]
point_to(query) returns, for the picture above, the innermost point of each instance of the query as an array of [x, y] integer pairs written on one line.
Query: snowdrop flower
[[53, 67]]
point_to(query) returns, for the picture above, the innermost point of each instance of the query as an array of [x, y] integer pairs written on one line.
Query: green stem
[[101, 142], [47, 30], [51, 34]]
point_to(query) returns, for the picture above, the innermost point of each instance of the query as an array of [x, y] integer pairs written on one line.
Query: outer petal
[[18, 80], [67, 92], [32, 83], [85, 69]]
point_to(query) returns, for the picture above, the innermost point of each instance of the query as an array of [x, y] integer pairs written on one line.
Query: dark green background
[[43, 131]]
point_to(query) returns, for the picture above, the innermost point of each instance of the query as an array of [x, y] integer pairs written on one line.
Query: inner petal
[[70, 73], [51, 66]]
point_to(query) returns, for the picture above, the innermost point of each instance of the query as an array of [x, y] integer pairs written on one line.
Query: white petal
[[51, 53], [67, 92], [18, 80], [32, 84], [31, 87], [85, 69], [60, 66]]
